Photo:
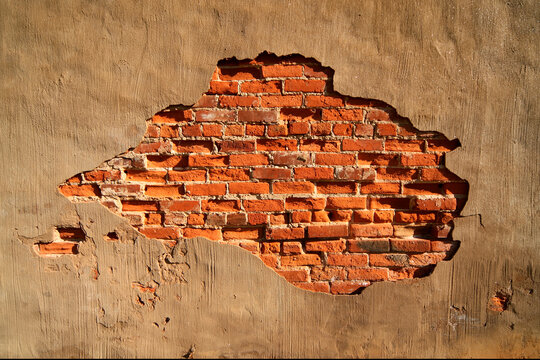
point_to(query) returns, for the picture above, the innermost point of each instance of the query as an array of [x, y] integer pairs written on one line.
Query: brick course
[[332, 192]]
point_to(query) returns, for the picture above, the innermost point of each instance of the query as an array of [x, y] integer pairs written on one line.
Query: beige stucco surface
[[78, 80]]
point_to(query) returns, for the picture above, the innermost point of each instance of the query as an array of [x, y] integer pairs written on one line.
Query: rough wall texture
[[79, 80], [332, 192]]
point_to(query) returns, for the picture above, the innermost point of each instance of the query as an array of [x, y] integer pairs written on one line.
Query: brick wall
[[330, 191]]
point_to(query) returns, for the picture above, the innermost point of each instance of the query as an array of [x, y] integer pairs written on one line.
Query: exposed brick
[[327, 231], [354, 173], [372, 230], [391, 260], [271, 247], [263, 205], [356, 260], [291, 247], [298, 128], [164, 191], [195, 219], [187, 175], [343, 114], [161, 232], [205, 233], [300, 260], [153, 176], [362, 145], [369, 246], [228, 174], [276, 144], [326, 246], [58, 248], [380, 188], [258, 86], [321, 128], [220, 205], [80, 190], [299, 85], [319, 145], [368, 274], [277, 130], [295, 158], [285, 233], [294, 275], [271, 173], [162, 161], [343, 129], [328, 273], [223, 87], [404, 145], [436, 204], [335, 159], [191, 130], [193, 146], [323, 287], [410, 245], [293, 187], [318, 173], [206, 189], [139, 205], [305, 203], [346, 203], [255, 130], [271, 101], [287, 114], [390, 203], [248, 159], [208, 160], [180, 205], [241, 233], [301, 217], [249, 188], [240, 73], [378, 159], [282, 70], [336, 188], [215, 115], [238, 101], [237, 146], [323, 101]]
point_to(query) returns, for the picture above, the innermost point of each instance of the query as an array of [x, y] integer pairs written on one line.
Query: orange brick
[[328, 273], [358, 260], [79, 190], [404, 145], [278, 219], [193, 146], [436, 204], [298, 128], [161, 233], [271, 247], [263, 205], [356, 202], [269, 260], [277, 130], [300, 114], [321, 216], [276, 144], [372, 230], [212, 130], [206, 189], [228, 174], [239, 73], [378, 115], [390, 260], [171, 117], [323, 101], [257, 86], [248, 159], [336, 188], [153, 176], [304, 203], [326, 246], [313, 286], [195, 219], [343, 129], [281, 100], [363, 216], [396, 174], [257, 219], [241, 233], [191, 130], [380, 188], [284, 233], [443, 145], [362, 145], [205, 233], [234, 130], [220, 205], [301, 217], [368, 246], [164, 191], [160, 161], [58, 248], [282, 70], [368, 274], [319, 145], [386, 129], [293, 187], [271, 173], [327, 231], [208, 160], [215, 115], [249, 188], [314, 173], [298, 85], [420, 160], [410, 245], [187, 175], [321, 128], [259, 116], [422, 189], [383, 216], [335, 159], [238, 101], [139, 205], [300, 260], [291, 247], [102, 175], [294, 275], [438, 175], [343, 114], [223, 87], [292, 158], [180, 205]]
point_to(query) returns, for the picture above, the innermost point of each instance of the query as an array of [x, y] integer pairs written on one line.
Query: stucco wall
[[80, 78]]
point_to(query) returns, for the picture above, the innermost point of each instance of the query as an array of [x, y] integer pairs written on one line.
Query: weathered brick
[[164, 191], [299, 85], [220, 205], [300, 260], [372, 230], [205, 233], [257, 86], [249, 188], [271, 173], [356, 260], [368, 246], [205, 189], [263, 205], [335, 159], [79, 190], [356, 202], [305, 203], [208, 160], [369, 274], [248, 159], [228, 174], [170, 233], [271, 101], [327, 231], [293, 187], [326, 246]]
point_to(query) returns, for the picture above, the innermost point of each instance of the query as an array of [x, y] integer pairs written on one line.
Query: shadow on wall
[[332, 192]]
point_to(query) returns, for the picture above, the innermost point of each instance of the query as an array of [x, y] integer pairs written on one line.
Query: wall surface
[[80, 78]]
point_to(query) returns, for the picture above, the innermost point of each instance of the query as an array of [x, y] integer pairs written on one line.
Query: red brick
[[206, 189], [363, 216], [381, 216], [291, 247], [328, 273], [386, 129], [410, 245], [335, 159], [390, 260], [71, 233], [102, 175], [276, 144], [193, 146], [215, 115], [187, 175], [237, 146], [212, 130], [139, 205], [442, 145], [281, 100], [343, 114], [58, 248], [160, 146], [293, 187], [390, 203], [257, 86], [321, 128], [357, 260], [404, 145], [249, 245], [298, 128], [241, 233], [313, 286], [300, 260], [341, 215], [343, 129], [378, 159], [237, 219], [396, 174], [355, 173], [327, 231], [239, 73], [380, 188], [438, 175], [188, 205], [317, 71], [161, 233], [161, 161], [263, 205], [298, 85], [228, 174], [436, 204], [282, 70], [372, 230], [323, 101], [169, 131], [420, 160], [79, 190], [405, 217], [234, 130], [208, 160], [321, 216], [220, 205], [422, 189], [164, 191], [277, 130], [269, 260], [295, 158], [171, 117], [319, 145], [152, 176], [301, 217], [314, 173], [300, 114], [445, 246], [271, 247], [175, 219], [255, 130], [285, 233], [346, 203], [223, 87], [304, 203], [257, 219], [249, 188], [368, 274], [259, 116], [363, 130], [191, 130], [426, 259], [271, 173], [195, 219], [368, 246], [278, 219], [238, 101], [326, 246], [248, 159], [336, 188], [362, 145], [205, 233], [378, 115]]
